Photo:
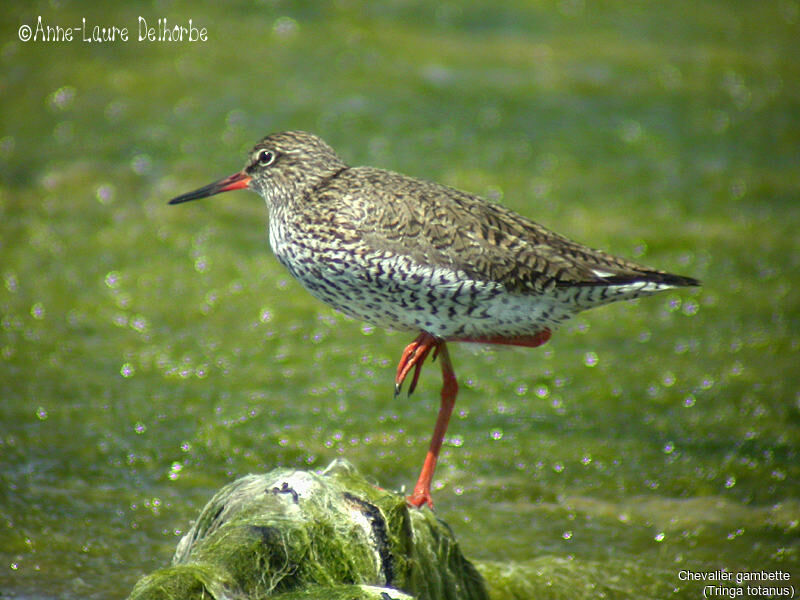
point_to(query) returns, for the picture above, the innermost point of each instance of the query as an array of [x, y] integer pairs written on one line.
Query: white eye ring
[[265, 158]]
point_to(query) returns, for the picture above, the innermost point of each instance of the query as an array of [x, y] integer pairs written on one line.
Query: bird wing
[[438, 225]]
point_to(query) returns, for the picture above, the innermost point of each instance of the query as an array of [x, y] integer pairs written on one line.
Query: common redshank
[[413, 255]]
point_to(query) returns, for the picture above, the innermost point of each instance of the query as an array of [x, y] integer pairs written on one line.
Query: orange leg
[[413, 357], [530, 341]]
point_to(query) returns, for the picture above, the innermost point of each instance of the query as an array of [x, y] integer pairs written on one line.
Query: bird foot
[[419, 499], [413, 357]]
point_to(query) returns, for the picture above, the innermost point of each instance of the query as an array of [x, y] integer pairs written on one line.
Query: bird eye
[[265, 158]]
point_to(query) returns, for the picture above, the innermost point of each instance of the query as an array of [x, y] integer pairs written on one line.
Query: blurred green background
[[151, 353]]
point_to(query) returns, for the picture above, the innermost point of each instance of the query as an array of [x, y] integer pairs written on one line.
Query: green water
[[150, 353]]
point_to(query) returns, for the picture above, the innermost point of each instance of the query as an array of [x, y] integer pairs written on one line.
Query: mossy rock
[[296, 534]]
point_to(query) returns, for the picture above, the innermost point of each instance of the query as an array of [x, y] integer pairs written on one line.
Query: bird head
[[281, 167]]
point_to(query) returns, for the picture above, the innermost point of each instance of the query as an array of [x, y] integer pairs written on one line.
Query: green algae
[[299, 533]]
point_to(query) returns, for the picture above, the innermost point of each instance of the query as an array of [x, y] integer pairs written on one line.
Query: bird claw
[[413, 358]]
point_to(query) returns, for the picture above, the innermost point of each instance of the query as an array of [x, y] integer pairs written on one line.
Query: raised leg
[[530, 341]]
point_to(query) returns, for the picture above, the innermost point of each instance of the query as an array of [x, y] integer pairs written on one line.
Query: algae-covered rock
[[297, 534]]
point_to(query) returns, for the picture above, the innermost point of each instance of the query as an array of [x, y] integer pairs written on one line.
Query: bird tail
[[608, 287], [657, 279]]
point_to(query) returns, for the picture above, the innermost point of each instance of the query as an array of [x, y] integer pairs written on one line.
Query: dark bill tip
[[237, 181]]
